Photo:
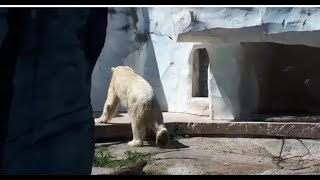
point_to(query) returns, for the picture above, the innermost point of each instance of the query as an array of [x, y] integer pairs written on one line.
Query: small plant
[[135, 157], [103, 158]]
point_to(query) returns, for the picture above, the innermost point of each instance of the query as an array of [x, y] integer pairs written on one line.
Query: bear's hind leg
[[138, 133]]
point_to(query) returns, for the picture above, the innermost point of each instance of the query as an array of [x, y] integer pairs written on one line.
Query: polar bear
[[131, 91]]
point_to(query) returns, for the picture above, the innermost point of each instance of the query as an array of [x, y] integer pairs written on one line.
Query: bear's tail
[[162, 137]]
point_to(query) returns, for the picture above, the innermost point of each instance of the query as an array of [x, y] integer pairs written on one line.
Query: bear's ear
[[112, 69]]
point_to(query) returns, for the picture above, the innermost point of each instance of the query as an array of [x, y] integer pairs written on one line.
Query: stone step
[[179, 124]]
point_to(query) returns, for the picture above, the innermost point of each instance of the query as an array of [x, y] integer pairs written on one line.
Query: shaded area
[[9, 51], [172, 144], [287, 79], [151, 70]]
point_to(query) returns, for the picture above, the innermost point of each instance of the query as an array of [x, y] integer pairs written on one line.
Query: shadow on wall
[[254, 63], [126, 47], [151, 70], [108, 58], [223, 87]]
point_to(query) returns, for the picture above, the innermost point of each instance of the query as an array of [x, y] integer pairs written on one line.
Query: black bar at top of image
[[157, 2]]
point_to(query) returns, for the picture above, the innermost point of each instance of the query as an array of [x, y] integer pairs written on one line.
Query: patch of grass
[[103, 158]]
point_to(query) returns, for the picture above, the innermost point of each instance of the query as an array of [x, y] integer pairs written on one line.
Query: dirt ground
[[227, 156]]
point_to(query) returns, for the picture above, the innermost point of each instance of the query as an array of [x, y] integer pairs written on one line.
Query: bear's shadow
[[172, 144]]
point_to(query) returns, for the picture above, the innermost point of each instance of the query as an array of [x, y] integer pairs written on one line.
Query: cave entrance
[[288, 80]]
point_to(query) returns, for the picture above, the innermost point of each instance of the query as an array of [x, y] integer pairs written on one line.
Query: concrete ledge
[[184, 124]]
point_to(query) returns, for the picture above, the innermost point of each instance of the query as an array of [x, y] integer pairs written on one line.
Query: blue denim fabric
[[50, 129]]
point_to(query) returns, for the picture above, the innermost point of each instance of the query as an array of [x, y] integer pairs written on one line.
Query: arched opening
[[200, 73], [198, 100]]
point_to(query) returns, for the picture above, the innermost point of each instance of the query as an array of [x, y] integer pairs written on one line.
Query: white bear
[[136, 94]]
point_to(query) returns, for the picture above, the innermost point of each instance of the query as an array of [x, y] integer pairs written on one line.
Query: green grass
[[103, 158]]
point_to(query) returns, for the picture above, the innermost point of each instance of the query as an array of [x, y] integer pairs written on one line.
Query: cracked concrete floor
[[227, 156]]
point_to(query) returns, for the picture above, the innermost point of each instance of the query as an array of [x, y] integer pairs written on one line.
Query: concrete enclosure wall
[[245, 79]]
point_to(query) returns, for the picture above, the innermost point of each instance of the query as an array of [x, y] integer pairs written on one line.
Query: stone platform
[[180, 124]]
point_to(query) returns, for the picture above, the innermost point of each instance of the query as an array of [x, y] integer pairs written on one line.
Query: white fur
[[136, 94]]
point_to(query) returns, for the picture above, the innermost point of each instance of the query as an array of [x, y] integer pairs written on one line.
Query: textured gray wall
[[158, 43]]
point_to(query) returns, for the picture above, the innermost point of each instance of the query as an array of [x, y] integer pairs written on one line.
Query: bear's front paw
[[135, 143], [97, 120], [100, 120]]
